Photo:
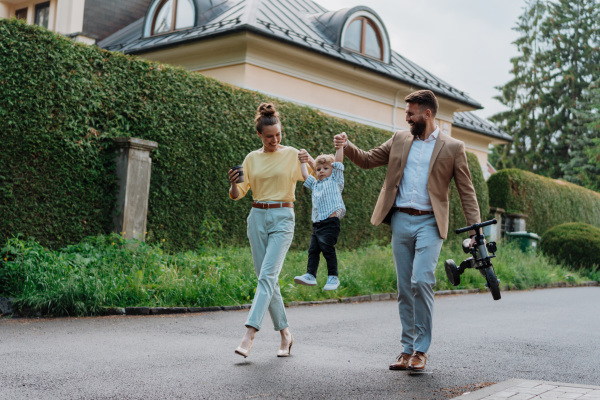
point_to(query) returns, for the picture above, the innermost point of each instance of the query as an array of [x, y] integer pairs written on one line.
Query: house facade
[[340, 62], [84, 20]]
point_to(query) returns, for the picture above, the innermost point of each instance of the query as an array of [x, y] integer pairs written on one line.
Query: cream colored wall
[[69, 16], [294, 74], [317, 95], [291, 73], [4, 10], [218, 53], [335, 87], [66, 16], [13, 6], [305, 92], [474, 143], [8, 8], [233, 74]]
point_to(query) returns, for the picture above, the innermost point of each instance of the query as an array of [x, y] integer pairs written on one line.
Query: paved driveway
[[340, 351]]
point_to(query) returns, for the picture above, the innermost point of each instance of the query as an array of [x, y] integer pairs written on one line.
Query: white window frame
[[385, 41]]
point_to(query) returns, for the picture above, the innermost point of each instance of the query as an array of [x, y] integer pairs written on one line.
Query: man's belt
[[272, 205], [412, 211]]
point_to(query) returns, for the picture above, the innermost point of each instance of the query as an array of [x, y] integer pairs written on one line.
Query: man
[[414, 201]]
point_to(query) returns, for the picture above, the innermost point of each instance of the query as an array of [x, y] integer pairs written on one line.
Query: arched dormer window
[[170, 15], [364, 33], [362, 36]]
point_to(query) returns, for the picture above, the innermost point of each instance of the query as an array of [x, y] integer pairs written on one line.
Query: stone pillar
[[133, 170], [515, 222], [494, 232]]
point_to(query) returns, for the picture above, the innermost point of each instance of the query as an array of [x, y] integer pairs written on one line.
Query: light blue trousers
[[270, 232], [416, 244]]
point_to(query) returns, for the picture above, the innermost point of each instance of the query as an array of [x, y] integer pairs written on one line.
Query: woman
[[271, 172]]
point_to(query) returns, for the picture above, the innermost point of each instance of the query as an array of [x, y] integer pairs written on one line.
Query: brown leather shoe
[[417, 361], [401, 362]]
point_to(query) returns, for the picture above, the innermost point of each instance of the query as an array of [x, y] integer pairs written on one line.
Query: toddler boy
[[327, 210]]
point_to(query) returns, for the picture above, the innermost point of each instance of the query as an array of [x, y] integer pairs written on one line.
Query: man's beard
[[417, 128]]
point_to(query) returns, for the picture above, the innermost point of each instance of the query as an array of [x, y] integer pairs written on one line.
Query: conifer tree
[[560, 43], [522, 96], [583, 167]]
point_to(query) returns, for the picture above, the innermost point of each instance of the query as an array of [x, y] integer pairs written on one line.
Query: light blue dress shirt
[[327, 194], [413, 185]]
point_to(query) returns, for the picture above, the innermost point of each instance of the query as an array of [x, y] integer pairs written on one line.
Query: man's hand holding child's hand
[[339, 141]]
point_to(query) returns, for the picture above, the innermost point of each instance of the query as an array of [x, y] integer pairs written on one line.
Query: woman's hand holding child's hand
[[303, 156]]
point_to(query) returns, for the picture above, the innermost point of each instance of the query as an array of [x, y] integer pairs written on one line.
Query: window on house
[[42, 14], [171, 15], [21, 14], [363, 37]]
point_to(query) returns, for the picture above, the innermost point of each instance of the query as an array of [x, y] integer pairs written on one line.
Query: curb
[[529, 389], [343, 300], [170, 310]]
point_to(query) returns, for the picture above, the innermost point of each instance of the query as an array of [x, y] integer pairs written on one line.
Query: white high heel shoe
[[286, 353], [244, 352]]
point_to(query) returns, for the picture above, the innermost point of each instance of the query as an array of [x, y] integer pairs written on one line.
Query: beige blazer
[[448, 161]]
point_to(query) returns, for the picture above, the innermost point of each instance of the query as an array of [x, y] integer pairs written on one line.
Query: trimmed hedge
[[62, 103], [457, 217], [574, 244], [546, 202]]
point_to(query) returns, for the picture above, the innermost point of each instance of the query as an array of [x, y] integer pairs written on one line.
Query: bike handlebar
[[476, 226]]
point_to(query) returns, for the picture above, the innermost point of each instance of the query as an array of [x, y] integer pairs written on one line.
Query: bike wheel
[[492, 282]]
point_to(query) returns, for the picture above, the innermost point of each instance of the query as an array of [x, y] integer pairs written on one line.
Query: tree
[[559, 59], [522, 96], [583, 167]]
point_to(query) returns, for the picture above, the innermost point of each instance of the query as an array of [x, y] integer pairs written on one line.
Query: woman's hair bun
[[266, 115], [267, 110]]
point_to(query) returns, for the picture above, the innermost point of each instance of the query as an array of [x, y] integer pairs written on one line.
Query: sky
[[467, 43]]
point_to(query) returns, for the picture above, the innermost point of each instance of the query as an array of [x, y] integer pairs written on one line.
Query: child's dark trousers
[[323, 239]]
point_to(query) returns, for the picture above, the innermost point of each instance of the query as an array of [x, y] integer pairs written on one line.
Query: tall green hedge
[[457, 217], [546, 202], [62, 103]]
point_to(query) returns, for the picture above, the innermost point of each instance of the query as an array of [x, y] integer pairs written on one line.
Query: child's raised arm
[[339, 155], [304, 170]]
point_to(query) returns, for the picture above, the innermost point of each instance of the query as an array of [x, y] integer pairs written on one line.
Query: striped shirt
[[327, 194]]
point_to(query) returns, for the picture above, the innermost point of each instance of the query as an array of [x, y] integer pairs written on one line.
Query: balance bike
[[480, 259]]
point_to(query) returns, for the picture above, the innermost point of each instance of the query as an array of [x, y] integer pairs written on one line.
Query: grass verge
[[108, 271]]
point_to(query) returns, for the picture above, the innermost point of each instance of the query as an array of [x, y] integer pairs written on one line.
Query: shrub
[[62, 103], [573, 243], [547, 202]]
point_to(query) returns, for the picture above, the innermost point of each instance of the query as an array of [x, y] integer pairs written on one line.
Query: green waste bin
[[527, 241]]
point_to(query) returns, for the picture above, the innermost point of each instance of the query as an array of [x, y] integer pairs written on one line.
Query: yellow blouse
[[272, 176]]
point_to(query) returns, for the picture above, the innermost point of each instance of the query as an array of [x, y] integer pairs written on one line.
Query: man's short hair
[[425, 99], [324, 159]]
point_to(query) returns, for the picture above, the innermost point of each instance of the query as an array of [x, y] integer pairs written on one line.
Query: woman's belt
[[272, 205]]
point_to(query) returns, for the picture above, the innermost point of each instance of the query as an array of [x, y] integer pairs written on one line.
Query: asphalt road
[[341, 351]]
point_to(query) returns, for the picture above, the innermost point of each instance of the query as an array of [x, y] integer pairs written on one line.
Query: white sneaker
[[306, 279], [332, 283]]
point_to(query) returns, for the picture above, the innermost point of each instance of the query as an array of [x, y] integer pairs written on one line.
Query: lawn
[[108, 271]]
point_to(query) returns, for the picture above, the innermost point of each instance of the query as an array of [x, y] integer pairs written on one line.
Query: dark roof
[[297, 22], [102, 18], [472, 122]]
